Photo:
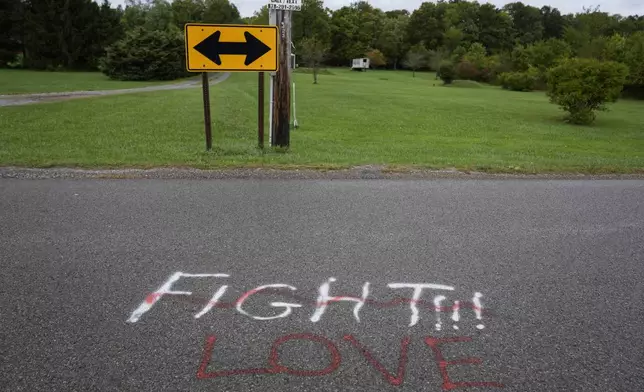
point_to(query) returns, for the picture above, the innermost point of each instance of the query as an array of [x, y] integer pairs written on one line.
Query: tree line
[[76, 33], [515, 45]]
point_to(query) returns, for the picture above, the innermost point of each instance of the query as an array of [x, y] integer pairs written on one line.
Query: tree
[[554, 23], [152, 15], [146, 55], [11, 21], [61, 34], [416, 58], [583, 86], [313, 21], [392, 40], [545, 54], [376, 58], [187, 11], [426, 25], [526, 21], [314, 51], [495, 29], [261, 17], [634, 58], [221, 12]]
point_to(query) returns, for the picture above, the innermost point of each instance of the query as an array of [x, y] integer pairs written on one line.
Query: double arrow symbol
[[212, 48]]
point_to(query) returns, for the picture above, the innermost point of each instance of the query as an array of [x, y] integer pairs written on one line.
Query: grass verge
[[351, 118]]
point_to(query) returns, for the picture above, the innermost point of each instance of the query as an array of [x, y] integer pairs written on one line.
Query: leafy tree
[[583, 86], [353, 31], [61, 34], [452, 38], [261, 17], [314, 51], [376, 58], [554, 24], [495, 28], [426, 25], [436, 58], [313, 21], [526, 21], [187, 11], [416, 58], [634, 58], [146, 55], [221, 12], [545, 54], [149, 14], [392, 40], [11, 21]]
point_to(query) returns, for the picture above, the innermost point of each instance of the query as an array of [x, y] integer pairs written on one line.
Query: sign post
[[205, 87], [260, 111], [231, 48]]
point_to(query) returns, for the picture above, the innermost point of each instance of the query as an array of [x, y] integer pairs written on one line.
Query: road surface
[[268, 285]]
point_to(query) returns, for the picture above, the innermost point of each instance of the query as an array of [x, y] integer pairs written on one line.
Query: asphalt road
[[559, 266]]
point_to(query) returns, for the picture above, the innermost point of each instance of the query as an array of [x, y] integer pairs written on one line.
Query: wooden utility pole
[[281, 126]]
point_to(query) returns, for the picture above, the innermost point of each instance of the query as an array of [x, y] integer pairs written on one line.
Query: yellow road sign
[[239, 48]]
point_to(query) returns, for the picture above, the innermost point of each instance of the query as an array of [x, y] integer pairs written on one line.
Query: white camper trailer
[[361, 64]]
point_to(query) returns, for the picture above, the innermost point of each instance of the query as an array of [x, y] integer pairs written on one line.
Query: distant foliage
[[519, 81], [417, 57], [583, 86], [466, 70], [314, 51], [376, 58], [146, 55], [447, 72]]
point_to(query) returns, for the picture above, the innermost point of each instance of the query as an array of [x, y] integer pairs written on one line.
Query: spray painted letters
[[435, 294]]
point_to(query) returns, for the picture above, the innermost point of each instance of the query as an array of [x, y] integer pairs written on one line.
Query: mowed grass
[[350, 118], [17, 81]]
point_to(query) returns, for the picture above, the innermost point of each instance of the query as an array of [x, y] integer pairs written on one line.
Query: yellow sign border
[[277, 43]]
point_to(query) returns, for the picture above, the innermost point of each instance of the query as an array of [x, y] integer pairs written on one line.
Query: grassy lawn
[[377, 117], [16, 81]]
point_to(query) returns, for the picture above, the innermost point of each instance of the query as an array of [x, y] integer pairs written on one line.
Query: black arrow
[[212, 48]]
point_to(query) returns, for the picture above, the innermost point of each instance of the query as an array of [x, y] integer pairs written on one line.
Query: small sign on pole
[[285, 5]]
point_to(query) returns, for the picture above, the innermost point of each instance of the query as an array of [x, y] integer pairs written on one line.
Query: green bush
[[583, 86], [519, 81], [447, 72], [146, 55]]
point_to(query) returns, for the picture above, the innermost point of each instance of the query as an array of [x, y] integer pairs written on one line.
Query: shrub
[[519, 81], [466, 70], [583, 86], [447, 72], [146, 55]]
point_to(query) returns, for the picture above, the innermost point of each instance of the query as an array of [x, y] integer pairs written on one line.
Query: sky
[[623, 7]]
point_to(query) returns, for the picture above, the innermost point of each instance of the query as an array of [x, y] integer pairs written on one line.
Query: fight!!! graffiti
[[323, 301]]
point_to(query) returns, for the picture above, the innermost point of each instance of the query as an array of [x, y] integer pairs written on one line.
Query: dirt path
[[25, 99]]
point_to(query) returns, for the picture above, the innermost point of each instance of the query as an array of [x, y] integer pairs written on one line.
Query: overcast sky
[[623, 7]]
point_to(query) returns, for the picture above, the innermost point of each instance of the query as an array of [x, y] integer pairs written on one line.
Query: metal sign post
[[205, 88]]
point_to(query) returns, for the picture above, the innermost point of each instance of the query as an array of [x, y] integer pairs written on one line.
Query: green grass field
[[16, 81], [377, 117]]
